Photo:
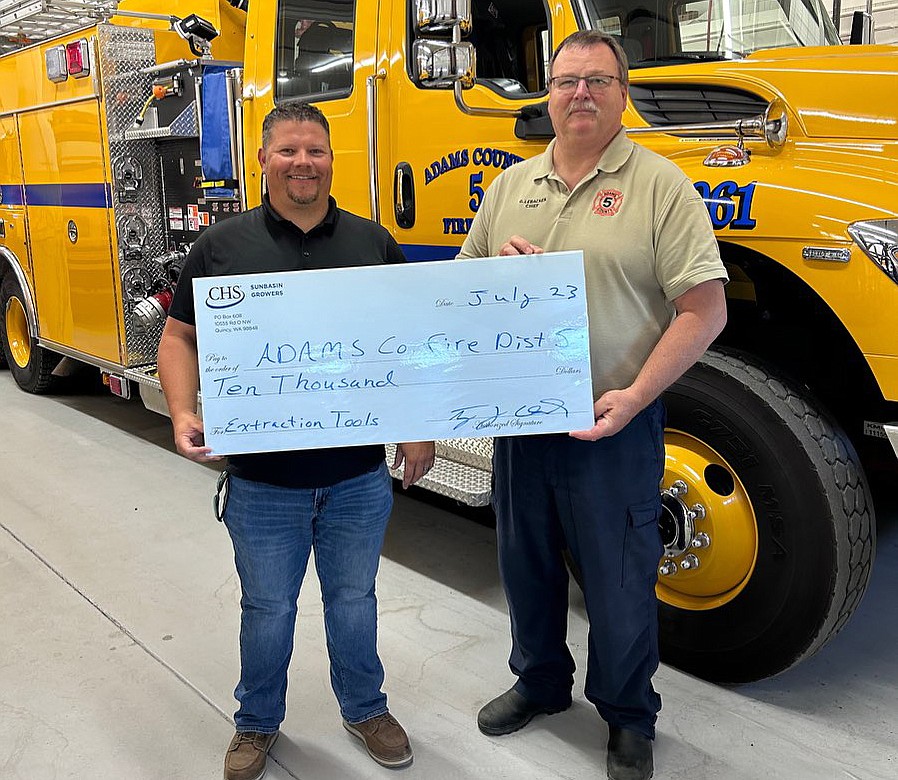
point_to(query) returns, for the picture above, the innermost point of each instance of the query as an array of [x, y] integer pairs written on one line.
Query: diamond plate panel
[[477, 453], [459, 481], [186, 124], [123, 52]]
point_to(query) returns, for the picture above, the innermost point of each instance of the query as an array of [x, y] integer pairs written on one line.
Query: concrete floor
[[118, 647]]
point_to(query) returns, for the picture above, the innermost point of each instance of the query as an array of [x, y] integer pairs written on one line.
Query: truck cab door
[[405, 153], [436, 160], [321, 52]]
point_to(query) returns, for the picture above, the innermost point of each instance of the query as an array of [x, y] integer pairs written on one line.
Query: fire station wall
[[68, 205]]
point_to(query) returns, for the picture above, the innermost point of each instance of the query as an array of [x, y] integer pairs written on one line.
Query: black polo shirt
[[261, 241]]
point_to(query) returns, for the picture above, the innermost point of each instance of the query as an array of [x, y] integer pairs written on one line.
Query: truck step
[[459, 481]]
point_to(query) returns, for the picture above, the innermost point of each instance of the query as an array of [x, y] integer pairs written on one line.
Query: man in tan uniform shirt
[[655, 298]]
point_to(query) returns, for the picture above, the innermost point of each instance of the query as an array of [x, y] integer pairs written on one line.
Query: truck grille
[[667, 104]]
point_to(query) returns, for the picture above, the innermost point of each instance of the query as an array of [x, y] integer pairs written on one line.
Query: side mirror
[[534, 122], [443, 63], [434, 16]]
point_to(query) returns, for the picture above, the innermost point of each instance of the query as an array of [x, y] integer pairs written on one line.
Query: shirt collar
[[327, 224], [616, 153], [612, 160]]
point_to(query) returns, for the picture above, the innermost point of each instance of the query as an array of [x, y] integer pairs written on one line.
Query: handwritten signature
[[492, 416]]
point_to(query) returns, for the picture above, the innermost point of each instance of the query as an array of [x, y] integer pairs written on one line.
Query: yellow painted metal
[[17, 334], [806, 195], [24, 79], [840, 164], [424, 128], [885, 369], [74, 284], [229, 22], [260, 45], [727, 564], [348, 116], [12, 209], [226, 47]]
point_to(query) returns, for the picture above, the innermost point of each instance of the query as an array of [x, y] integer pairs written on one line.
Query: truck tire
[[31, 365], [785, 526]]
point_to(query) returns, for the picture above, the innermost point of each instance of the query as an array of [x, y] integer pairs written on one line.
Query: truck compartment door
[[68, 204]]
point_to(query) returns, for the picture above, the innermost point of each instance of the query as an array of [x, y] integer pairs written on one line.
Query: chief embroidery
[[607, 203]]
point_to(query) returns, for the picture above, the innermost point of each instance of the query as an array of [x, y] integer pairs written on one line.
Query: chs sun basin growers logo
[[223, 296]]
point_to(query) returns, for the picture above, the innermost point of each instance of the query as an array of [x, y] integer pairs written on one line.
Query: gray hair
[[586, 39]]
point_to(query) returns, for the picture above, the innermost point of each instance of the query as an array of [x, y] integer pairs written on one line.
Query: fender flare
[[9, 259]]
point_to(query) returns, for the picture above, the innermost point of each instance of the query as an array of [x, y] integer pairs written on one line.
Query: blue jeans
[[600, 499], [273, 530]]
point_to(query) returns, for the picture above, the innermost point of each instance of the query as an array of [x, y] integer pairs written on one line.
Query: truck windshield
[[654, 32]]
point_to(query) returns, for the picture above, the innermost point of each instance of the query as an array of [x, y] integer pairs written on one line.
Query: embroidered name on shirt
[[531, 203], [607, 203]]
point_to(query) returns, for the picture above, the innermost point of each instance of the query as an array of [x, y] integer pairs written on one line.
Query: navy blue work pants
[[600, 499]]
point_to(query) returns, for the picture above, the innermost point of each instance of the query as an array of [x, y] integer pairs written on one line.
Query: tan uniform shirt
[[644, 231]]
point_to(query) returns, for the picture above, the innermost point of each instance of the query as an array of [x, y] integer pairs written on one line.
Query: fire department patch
[[607, 203]]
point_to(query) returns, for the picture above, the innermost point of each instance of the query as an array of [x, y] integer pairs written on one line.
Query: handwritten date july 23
[[521, 297]]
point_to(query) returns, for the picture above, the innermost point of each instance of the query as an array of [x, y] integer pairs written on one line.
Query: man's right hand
[[516, 245], [189, 439]]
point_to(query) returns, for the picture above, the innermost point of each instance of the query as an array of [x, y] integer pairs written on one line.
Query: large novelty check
[[385, 354]]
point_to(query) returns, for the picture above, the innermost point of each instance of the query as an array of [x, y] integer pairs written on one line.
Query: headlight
[[879, 240]]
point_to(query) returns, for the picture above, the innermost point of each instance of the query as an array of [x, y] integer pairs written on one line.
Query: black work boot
[[629, 755], [510, 712]]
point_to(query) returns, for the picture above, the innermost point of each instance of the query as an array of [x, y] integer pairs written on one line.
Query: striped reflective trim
[[415, 252], [12, 194], [97, 196]]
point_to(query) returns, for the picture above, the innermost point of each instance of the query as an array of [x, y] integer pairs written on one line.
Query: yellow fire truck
[[125, 132]]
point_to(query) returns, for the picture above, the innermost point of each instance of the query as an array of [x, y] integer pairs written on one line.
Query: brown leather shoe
[[247, 755], [385, 740]]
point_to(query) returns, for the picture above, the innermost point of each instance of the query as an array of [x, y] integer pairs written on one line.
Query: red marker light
[[77, 59]]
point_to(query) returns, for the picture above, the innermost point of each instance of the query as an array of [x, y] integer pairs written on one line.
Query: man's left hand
[[418, 457], [613, 411]]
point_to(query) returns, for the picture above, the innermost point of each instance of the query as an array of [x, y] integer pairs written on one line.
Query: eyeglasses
[[594, 84]]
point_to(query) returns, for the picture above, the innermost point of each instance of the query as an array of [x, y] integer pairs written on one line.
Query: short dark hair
[[293, 112], [586, 39]]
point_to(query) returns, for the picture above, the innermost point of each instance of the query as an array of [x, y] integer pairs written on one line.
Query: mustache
[[582, 105]]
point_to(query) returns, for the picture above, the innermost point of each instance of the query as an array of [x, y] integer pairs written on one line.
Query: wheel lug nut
[[667, 568], [698, 512], [701, 540], [678, 487], [690, 562]]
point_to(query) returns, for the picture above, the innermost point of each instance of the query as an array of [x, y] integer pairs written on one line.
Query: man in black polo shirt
[[280, 505]]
